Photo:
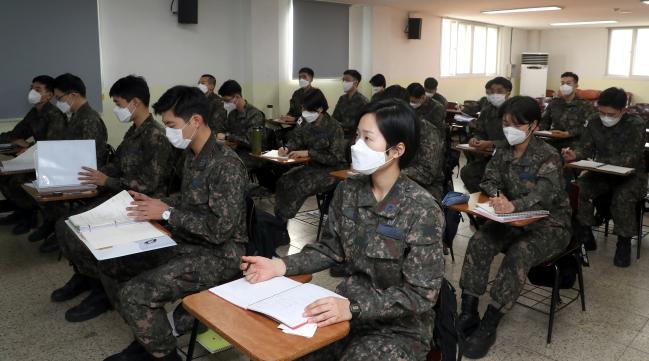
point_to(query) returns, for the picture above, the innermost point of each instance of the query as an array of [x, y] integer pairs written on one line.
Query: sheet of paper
[[463, 118], [273, 154], [588, 164], [243, 293], [126, 233], [486, 207], [58, 162], [616, 169], [111, 212], [22, 162], [288, 306], [543, 132], [307, 330]]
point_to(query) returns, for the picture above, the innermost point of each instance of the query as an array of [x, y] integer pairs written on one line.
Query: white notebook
[[107, 225], [487, 211], [279, 298], [24, 161], [274, 154], [58, 162]]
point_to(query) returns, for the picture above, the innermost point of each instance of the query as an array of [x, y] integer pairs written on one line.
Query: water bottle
[[255, 140], [270, 112]]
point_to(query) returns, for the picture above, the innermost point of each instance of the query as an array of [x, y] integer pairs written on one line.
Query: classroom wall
[[585, 52]]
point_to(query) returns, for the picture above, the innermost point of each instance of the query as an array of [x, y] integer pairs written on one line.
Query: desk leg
[[192, 341]]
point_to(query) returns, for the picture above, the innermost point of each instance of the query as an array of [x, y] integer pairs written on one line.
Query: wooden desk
[[470, 149], [282, 161], [480, 197], [552, 134], [342, 174], [55, 196], [13, 172], [597, 170], [252, 333]]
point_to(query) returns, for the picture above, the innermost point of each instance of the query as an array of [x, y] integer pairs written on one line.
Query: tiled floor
[[614, 326]]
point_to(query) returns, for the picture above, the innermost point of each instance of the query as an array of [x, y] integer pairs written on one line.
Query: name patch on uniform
[[388, 231]]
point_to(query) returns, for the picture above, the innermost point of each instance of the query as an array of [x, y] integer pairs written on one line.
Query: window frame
[[472, 25], [634, 37]]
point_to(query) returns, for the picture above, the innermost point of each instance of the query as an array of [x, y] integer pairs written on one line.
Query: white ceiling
[[573, 10]]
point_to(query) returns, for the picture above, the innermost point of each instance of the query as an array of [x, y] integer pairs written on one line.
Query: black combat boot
[[74, 287], [623, 252], [479, 343], [469, 318], [134, 351], [93, 305]]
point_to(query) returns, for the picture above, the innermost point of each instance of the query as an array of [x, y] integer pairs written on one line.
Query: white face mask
[[34, 97], [429, 94], [229, 106], [514, 135], [609, 121], [566, 89], [202, 87], [347, 86], [63, 106], [123, 114], [175, 137], [310, 117], [496, 99], [415, 105], [366, 160], [376, 89], [304, 83]]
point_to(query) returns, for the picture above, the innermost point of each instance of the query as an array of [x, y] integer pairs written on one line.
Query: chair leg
[[317, 237], [580, 277], [452, 255], [640, 218], [192, 341], [553, 302], [606, 221]]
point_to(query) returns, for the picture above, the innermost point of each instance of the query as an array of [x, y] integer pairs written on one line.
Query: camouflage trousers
[[141, 300], [471, 174], [523, 249], [371, 346], [295, 186], [625, 192], [11, 188]]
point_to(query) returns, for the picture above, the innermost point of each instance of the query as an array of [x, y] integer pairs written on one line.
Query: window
[[468, 48], [324, 51], [628, 52]]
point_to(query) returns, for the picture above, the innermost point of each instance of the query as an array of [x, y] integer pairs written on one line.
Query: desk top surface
[[255, 334], [480, 197], [55, 196]]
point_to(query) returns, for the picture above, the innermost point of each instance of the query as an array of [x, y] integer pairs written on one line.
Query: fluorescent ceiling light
[[598, 22], [522, 10], [646, 2]]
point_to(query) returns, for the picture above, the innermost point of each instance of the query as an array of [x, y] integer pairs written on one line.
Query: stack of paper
[[487, 211], [58, 162], [274, 154], [24, 161]]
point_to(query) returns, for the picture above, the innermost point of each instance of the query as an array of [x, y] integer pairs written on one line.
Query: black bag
[[265, 232], [444, 331], [453, 219], [544, 276]]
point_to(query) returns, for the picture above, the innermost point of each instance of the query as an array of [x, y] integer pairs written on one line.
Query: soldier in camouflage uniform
[[390, 242], [349, 105], [321, 139], [83, 123], [305, 76], [522, 177], [142, 163], [427, 169], [618, 138], [207, 219], [242, 118], [487, 134], [567, 113], [430, 84], [429, 109], [42, 118], [378, 84], [217, 113]]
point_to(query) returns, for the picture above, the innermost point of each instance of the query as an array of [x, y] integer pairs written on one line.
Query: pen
[[497, 192]]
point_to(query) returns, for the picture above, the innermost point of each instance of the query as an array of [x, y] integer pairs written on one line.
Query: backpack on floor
[[445, 340], [265, 232], [544, 276]]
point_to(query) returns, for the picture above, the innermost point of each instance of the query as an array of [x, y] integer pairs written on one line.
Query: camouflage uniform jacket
[[489, 126], [434, 112], [238, 125], [210, 209], [621, 145], [392, 250], [440, 99], [570, 117], [217, 114], [532, 182], [86, 123], [347, 111], [427, 168], [34, 124], [324, 141], [143, 161], [295, 104]]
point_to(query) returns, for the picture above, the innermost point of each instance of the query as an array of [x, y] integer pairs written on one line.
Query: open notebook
[[487, 211], [107, 225], [273, 154], [279, 298], [24, 161]]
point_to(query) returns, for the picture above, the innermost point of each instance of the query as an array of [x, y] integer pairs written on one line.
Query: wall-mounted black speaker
[[414, 28], [188, 11]]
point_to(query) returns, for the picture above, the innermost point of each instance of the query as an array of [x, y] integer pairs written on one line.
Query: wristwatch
[[355, 309], [166, 214]]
